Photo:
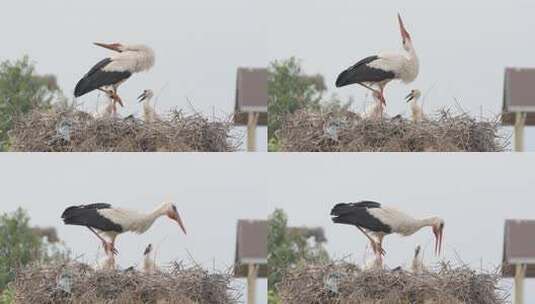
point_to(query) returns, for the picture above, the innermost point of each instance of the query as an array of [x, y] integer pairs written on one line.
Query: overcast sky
[[198, 44], [463, 46], [473, 193], [211, 192]]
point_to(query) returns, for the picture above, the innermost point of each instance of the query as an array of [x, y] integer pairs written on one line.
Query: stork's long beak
[[404, 34], [113, 46], [180, 223], [409, 97], [142, 97], [439, 233]]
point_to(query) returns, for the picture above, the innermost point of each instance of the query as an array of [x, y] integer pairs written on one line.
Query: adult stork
[[108, 74], [378, 70], [373, 219], [111, 221]]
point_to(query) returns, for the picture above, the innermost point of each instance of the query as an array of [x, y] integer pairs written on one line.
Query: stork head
[[438, 231], [405, 36], [173, 214], [147, 94], [148, 249], [413, 95], [117, 47]]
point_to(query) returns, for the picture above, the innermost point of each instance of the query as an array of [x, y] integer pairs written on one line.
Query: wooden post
[[520, 121], [520, 273], [252, 121], [251, 283]]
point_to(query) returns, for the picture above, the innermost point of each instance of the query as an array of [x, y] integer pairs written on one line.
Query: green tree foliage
[[290, 90], [20, 245], [288, 247], [22, 90]]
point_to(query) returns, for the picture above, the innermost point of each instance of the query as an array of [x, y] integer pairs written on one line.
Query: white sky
[[198, 44], [473, 193], [211, 192], [463, 46]]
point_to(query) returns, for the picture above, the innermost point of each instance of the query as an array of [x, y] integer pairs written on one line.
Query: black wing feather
[[87, 215], [97, 78], [357, 214], [362, 72]]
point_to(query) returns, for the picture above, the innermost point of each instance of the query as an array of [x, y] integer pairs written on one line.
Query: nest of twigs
[[79, 283], [346, 131], [337, 283], [70, 130]]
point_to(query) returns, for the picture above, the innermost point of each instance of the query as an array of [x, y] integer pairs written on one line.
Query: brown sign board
[[518, 95], [251, 247], [251, 95], [519, 247]]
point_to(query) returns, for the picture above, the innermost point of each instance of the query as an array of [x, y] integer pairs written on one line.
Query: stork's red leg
[[108, 247], [377, 249]]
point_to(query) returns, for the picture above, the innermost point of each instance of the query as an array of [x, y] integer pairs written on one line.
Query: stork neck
[[155, 214], [427, 222]]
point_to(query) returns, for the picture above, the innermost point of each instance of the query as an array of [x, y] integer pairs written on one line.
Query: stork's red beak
[[117, 47], [404, 34], [180, 223], [439, 233]]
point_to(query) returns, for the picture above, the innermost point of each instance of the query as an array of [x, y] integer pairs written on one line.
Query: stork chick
[[108, 109], [149, 266], [149, 114], [417, 265], [112, 221], [417, 113], [372, 219]]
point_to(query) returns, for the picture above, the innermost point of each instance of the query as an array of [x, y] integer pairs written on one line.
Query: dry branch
[[69, 130], [341, 282], [345, 131], [79, 283]]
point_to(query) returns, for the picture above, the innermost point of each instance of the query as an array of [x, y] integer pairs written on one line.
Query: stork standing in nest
[[376, 221], [111, 221], [149, 265], [108, 74], [378, 70]]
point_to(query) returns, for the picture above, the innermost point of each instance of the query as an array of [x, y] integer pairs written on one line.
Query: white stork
[[149, 114], [111, 221], [371, 218], [107, 263], [417, 113], [108, 109], [379, 70], [149, 266], [417, 265], [114, 70]]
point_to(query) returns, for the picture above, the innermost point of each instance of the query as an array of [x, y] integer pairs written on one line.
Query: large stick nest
[[346, 131], [69, 130], [79, 283], [340, 282]]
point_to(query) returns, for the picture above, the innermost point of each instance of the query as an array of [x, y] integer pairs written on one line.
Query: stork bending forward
[[111, 221], [376, 221], [378, 70]]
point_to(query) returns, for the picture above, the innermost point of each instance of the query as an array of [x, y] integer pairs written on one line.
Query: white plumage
[[103, 219], [417, 265], [108, 109], [375, 72], [107, 263], [108, 74], [417, 113], [376, 221], [149, 264], [149, 113]]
